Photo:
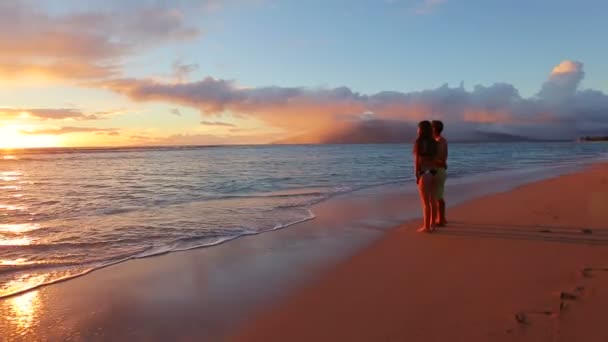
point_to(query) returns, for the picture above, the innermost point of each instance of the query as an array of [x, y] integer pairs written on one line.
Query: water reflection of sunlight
[[11, 173], [11, 262], [25, 310], [18, 227], [9, 176], [22, 241], [23, 282], [8, 157], [10, 207]]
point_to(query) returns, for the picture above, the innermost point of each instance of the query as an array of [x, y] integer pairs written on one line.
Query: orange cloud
[[11, 137], [314, 111], [566, 66], [203, 139], [80, 45], [473, 115], [69, 130], [52, 114], [10, 70], [217, 123], [563, 82]]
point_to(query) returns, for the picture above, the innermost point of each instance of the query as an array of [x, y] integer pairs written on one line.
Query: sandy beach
[[257, 170], [524, 265]]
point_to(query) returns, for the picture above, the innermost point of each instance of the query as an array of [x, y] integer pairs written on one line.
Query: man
[[442, 166]]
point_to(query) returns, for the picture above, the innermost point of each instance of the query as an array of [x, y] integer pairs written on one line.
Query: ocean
[[65, 212]]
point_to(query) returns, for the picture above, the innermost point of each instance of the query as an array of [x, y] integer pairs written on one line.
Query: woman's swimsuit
[[426, 152], [431, 171]]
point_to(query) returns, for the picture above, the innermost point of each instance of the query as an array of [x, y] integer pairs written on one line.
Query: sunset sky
[[107, 73]]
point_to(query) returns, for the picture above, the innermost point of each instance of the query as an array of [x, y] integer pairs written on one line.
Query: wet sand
[[527, 265], [503, 258]]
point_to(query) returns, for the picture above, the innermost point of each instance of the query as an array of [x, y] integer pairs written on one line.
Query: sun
[[11, 137]]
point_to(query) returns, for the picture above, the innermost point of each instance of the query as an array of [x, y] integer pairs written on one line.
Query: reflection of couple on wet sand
[[430, 156]]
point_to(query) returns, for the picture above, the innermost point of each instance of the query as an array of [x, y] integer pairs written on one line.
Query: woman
[[425, 153]]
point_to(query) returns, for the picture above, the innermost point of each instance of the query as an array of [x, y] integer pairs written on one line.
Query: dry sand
[[526, 265], [503, 258]]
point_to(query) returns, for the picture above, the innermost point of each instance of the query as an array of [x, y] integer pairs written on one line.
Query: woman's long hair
[[425, 145]]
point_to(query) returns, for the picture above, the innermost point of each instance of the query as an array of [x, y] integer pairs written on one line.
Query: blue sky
[[274, 62], [385, 45]]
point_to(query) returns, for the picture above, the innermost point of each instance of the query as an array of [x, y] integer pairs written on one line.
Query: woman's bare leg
[[425, 188]]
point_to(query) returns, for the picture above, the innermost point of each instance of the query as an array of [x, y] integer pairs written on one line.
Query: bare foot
[[423, 229]]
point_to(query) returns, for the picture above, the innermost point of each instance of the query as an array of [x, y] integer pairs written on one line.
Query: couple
[[430, 156]]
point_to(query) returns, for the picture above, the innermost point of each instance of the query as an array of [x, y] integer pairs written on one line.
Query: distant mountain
[[598, 138], [480, 136], [393, 131], [364, 132]]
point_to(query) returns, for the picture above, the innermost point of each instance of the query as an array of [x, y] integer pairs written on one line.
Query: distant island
[[587, 138], [395, 131]]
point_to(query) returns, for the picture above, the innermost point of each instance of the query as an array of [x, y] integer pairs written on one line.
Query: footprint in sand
[[521, 318], [567, 296], [587, 272]]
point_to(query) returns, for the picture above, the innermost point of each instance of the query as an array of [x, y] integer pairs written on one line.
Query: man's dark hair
[[437, 126]]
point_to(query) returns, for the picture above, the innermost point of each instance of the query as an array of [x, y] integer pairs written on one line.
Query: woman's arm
[[417, 166]]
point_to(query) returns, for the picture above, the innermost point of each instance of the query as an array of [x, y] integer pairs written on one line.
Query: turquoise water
[[64, 212]]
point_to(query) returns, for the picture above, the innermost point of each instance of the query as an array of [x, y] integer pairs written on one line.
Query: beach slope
[[526, 265]]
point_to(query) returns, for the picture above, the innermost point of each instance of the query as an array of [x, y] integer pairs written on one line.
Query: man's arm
[[443, 151]]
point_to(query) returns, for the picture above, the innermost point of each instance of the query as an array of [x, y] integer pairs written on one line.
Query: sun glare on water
[[25, 310], [11, 136]]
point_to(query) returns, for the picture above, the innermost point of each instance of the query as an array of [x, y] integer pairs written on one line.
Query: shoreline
[[524, 265], [507, 180], [305, 261], [153, 255]]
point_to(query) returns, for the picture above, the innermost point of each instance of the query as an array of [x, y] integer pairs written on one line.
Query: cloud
[[47, 114], [182, 72], [210, 139], [141, 138], [559, 111], [69, 130], [213, 96], [362, 132], [176, 112], [44, 114], [13, 69], [563, 82], [217, 123], [81, 44], [246, 130]]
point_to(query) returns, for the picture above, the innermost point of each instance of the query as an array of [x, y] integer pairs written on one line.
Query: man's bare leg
[[442, 221]]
